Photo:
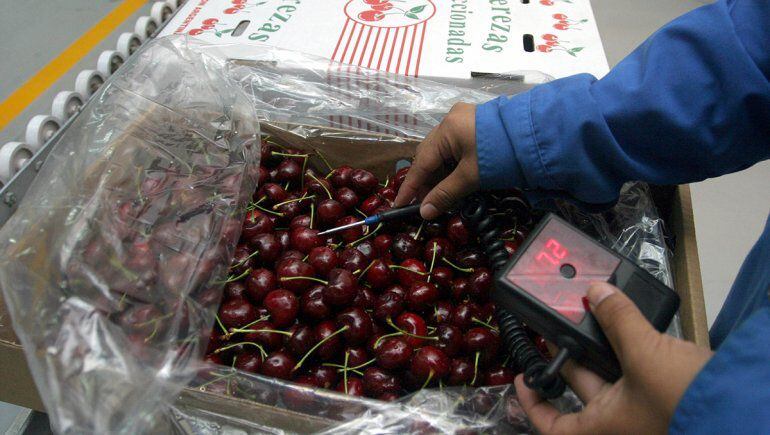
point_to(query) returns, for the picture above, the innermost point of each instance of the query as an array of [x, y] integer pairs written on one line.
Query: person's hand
[[445, 167], [657, 369]]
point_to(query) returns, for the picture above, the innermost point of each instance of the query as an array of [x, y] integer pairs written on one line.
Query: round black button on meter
[[546, 281]]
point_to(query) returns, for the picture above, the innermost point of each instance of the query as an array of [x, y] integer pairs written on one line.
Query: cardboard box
[[674, 204], [455, 39]]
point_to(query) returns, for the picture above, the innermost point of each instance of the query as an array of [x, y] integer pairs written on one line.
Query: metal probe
[[389, 215]]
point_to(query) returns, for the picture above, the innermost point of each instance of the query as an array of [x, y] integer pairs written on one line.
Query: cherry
[[560, 16], [441, 313], [267, 158], [302, 220], [352, 260], [242, 260], [400, 177], [269, 340], [480, 282], [293, 275], [421, 295], [283, 307], [378, 382], [441, 246], [263, 176], [499, 375], [379, 275], [430, 363], [460, 372], [359, 325], [351, 234], [235, 290], [346, 197], [457, 231], [370, 204], [291, 254], [292, 207], [140, 318], [214, 358], [356, 356], [388, 193], [237, 312], [355, 386], [330, 348], [289, 170], [483, 341], [268, 247], [256, 222], [396, 288], [259, 283], [361, 180], [302, 340], [393, 353], [382, 7], [459, 289], [470, 258], [248, 361], [312, 304], [278, 364], [340, 176], [404, 247], [382, 244], [323, 376], [442, 277], [463, 315], [413, 324], [388, 305], [283, 238], [410, 271], [450, 339], [364, 299], [341, 290], [510, 247], [330, 211], [487, 311], [304, 239], [323, 259], [273, 194]]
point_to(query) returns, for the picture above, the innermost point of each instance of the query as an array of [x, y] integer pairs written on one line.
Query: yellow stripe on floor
[[49, 74]]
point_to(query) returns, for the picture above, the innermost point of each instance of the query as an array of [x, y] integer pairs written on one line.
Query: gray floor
[[727, 223]]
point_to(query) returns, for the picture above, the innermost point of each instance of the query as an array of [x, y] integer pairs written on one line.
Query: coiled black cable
[[514, 337]]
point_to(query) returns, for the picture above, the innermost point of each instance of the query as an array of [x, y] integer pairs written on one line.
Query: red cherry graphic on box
[[544, 48], [231, 11], [382, 7], [561, 26], [195, 32], [208, 27], [560, 16], [376, 2], [210, 21], [546, 2], [550, 37], [552, 43], [239, 2], [371, 15]]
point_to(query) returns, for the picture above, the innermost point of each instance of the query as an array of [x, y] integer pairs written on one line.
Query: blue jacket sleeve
[[690, 103]]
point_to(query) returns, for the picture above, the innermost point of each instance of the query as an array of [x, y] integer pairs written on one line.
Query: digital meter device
[[545, 283]]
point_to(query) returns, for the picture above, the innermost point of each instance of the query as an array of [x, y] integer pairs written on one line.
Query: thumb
[[622, 322], [446, 193]]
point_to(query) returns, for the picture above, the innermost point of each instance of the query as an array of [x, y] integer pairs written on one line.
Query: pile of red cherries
[[377, 312]]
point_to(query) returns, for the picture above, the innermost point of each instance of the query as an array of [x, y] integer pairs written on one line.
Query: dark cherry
[[359, 325], [351, 234], [450, 339], [378, 382], [268, 246], [139, 318], [267, 158], [273, 174], [441, 313], [256, 222], [370, 204], [511, 247], [365, 299], [330, 211], [289, 270], [278, 364], [312, 304], [363, 181], [290, 210], [480, 284], [499, 375], [400, 176], [482, 340], [289, 170], [388, 305], [283, 307], [463, 315], [324, 377], [457, 231], [272, 192], [235, 290], [242, 259], [441, 246], [487, 311], [269, 340], [379, 275], [382, 244], [470, 257], [263, 176], [442, 277], [460, 372], [323, 259], [248, 361], [301, 341], [366, 247], [388, 193], [413, 324], [290, 254], [352, 260], [430, 362], [346, 197], [411, 271], [434, 228], [404, 247], [356, 356], [396, 288], [421, 295], [304, 239], [237, 312], [283, 238], [302, 220], [259, 283], [319, 186], [459, 289], [342, 288], [341, 176], [393, 353], [355, 386], [331, 348]]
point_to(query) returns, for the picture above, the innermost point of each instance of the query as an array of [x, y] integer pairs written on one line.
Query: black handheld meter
[[545, 283]]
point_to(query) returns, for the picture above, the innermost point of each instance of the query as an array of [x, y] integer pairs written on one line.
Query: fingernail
[[428, 211], [598, 292]]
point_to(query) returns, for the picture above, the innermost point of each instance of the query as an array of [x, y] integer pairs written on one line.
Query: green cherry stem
[[236, 278], [317, 345], [422, 337], [276, 153], [244, 343], [312, 214], [219, 322], [309, 278], [427, 381], [259, 207], [345, 371], [419, 230], [271, 331], [379, 340], [323, 158], [396, 266], [432, 260], [458, 268], [242, 262], [340, 368], [475, 368], [329, 194], [366, 236], [483, 323], [275, 207]]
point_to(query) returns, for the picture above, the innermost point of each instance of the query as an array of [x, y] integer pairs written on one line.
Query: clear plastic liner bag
[[115, 260]]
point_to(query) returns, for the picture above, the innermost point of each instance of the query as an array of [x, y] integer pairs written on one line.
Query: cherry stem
[[236, 278], [118, 265], [341, 368], [458, 268], [366, 269], [432, 260], [483, 323], [422, 337], [361, 239], [275, 207], [269, 139], [202, 387], [312, 214], [243, 343], [360, 212], [219, 322], [427, 381], [257, 206], [396, 266], [440, 385], [345, 371], [271, 331], [323, 158], [236, 330], [475, 368], [379, 340], [419, 230], [276, 153], [329, 194], [304, 168], [317, 345], [329, 174], [242, 262], [309, 278]]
